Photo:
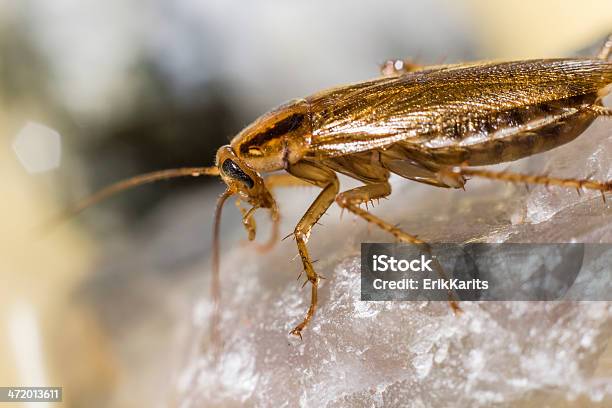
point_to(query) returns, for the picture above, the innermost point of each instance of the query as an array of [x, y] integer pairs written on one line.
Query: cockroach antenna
[[148, 178], [128, 184], [216, 282]]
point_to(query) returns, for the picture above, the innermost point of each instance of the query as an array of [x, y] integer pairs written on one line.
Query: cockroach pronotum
[[431, 124]]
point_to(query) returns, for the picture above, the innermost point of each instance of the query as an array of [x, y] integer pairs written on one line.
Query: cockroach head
[[242, 180], [276, 139]]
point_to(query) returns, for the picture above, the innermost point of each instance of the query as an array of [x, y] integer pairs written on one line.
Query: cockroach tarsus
[[430, 124]]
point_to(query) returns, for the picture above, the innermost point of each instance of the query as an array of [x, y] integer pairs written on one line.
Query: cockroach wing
[[418, 107]]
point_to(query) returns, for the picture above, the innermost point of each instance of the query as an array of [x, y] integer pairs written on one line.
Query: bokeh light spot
[[38, 148]]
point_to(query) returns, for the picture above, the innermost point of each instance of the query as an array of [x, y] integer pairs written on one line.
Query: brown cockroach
[[430, 124]]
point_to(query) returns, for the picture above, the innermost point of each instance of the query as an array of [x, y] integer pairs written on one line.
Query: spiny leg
[[352, 198], [327, 180], [518, 178], [598, 110]]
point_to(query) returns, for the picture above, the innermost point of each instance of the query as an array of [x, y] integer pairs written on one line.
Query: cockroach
[[430, 124]]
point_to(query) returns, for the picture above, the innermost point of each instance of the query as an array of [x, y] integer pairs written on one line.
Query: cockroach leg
[[271, 182], [606, 49], [397, 67], [598, 110], [328, 181], [352, 198], [578, 184]]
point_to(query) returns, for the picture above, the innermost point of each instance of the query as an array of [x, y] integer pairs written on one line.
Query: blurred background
[[91, 92]]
